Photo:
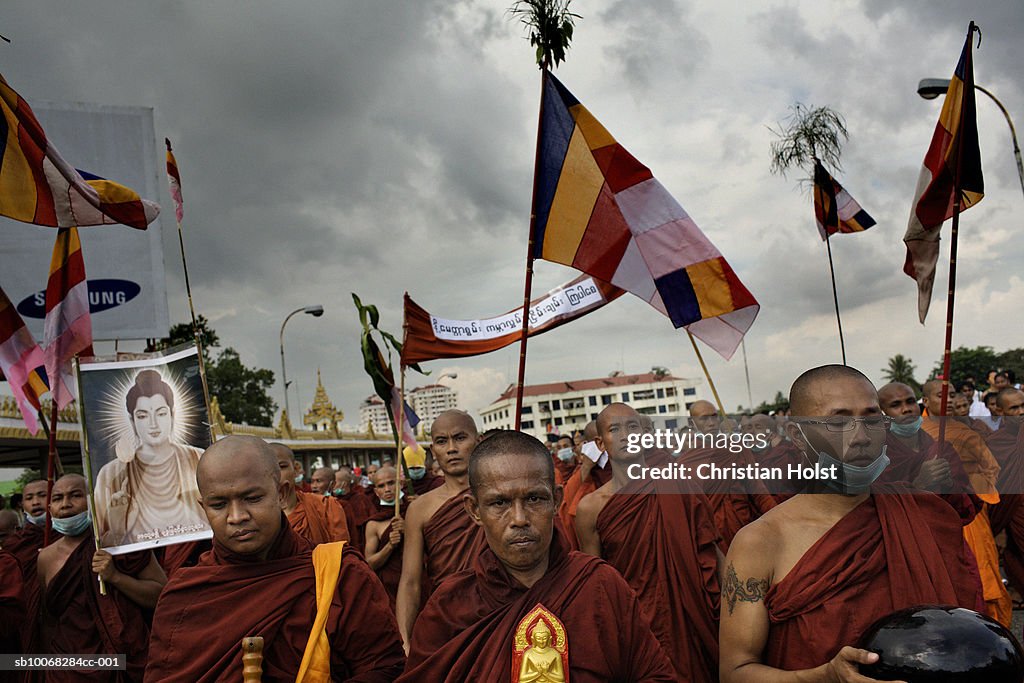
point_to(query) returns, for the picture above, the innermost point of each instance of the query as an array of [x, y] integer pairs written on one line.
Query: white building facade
[[563, 407], [430, 401], [373, 414]]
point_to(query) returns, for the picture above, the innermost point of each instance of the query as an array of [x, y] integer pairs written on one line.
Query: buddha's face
[[541, 638], [153, 421]]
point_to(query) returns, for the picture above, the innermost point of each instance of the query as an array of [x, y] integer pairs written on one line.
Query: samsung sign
[[103, 295]]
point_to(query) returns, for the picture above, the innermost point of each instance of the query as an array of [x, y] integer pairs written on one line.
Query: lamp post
[[316, 312], [930, 88]]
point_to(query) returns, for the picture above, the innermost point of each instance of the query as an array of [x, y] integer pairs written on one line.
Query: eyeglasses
[[843, 423]]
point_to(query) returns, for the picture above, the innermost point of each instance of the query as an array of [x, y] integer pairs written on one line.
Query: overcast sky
[[380, 146]]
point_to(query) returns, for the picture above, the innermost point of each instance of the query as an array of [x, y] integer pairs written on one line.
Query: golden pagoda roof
[[322, 408]]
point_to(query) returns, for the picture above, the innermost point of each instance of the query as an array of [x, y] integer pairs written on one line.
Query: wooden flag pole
[[401, 433], [529, 254], [90, 482], [746, 370], [835, 297], [711, 382], [50, 466]]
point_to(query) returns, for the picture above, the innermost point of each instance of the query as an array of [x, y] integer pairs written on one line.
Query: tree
[[660, 372], [810, 134], [241, 391], [901, 370], [780, 403], [967, 362], [549, 25]]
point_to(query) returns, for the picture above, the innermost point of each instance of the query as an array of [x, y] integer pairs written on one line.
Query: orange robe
[[982, 470], [573, 492], [318, 519], [890, 552]]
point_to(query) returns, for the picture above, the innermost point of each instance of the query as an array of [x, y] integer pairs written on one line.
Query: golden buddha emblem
[[540, 653]]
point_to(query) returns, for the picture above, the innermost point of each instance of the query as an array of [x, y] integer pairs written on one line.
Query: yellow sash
[[316, 660]]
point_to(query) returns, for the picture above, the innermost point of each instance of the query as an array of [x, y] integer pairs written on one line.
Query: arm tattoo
[[753, 590]]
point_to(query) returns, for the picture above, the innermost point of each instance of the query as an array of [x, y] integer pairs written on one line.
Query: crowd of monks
[[525, 561]]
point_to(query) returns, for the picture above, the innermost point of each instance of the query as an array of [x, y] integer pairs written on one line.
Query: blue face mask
[[907, 430], [417, 473], [339, 492], [38, 520], [852, 480], [565, 455], [72, 526]]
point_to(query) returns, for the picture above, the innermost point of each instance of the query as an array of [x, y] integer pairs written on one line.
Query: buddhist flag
[[174, 180], [834, 209], [601, 211], [68, 327], [38, 186], [22, 362], [954, 142]]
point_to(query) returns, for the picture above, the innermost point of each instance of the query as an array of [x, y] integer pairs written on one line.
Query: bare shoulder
[[762, 537], [425, 505], [591, 504]]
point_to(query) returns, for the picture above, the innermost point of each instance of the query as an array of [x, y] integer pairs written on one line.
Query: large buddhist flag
[[38, 186], [954, 143], [834, 209], [68, 328], [22, 362], [174, 180], [601, 211]]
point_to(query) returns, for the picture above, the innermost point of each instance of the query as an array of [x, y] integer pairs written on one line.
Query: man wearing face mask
[[564, 460], [416, 462], [76, 618], [384, 533], [804, 581]]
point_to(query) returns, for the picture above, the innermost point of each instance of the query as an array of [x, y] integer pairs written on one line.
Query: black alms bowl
[[942, 644]]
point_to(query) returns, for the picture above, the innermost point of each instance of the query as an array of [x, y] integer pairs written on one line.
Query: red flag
[[68, 327], [955, 141]]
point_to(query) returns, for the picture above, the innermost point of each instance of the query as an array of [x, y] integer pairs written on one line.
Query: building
[[373, 414], [430, 401], [322, 416], [567, 406]]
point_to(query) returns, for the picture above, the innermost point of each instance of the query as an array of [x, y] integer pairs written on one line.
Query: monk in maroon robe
[[13, 618], [1007, 446], [358, 507], [440, 537], [420, 478], [662, 538], [77, 619], [259, 579], [384, 534], [805, 580], [467, 630]]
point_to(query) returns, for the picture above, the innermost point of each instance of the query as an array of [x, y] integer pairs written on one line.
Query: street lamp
[[930, 88], [316, 312]]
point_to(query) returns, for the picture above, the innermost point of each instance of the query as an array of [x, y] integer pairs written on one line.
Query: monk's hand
[[935, 475], [397, 527], [103, 564], [844, 666], [586, 464]]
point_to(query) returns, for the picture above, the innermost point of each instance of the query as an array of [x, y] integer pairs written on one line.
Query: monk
[[358, 508], [587, 478], [662, 538], [10, 524], [261, 578], [76, 618], [440, 538], [317, 518], [983, 472], [384, 534], [804, 581], [467, 629], [564, 459], [735, 503], [1007, 446], [13, 618], [322, 481], [416, 462]]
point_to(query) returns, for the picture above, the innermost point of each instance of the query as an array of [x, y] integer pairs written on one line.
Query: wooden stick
[[90, 482], [835, 298], [529, 256], [252, 659], [711, 382], [401, 440]]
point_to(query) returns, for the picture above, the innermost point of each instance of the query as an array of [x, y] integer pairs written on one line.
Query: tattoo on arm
[[735, 590]]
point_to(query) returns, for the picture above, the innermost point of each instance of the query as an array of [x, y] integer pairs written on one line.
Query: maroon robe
[[391, 571], [78, 620], [905, 464], [206, 610], [358, 509], [13, 618], [429, 482], [174, 557], [664, 544], [466, 630], [451, 540], [735, 503], [1008, 515], [890, 552]]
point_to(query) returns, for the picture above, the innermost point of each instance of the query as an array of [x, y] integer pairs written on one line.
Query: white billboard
[[124, 266]]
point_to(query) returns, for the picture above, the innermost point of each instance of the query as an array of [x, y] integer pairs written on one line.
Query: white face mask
[[38, 520], [906, 430], [75, 525], [565, 455], [852, 480]]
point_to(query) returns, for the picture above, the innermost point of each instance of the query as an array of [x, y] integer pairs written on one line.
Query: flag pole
[[401, 434], [835, 298], [76, 366], [746, 370], [50, 466], [711, 382], [951, 292], [191, 306], [529, 253]]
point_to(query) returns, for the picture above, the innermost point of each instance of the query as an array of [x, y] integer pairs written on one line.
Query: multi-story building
[[430, 401], [374, 415], [568, 406]]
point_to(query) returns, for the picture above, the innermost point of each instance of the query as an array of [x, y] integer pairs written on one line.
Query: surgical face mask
[[401, 494], [299, 478], [908, 429], [565, 455], [761, 446], [339, 492], [72, 526], [852, 480], [417, 473], [38, 520]]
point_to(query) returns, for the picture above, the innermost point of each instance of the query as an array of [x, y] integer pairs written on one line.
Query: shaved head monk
[[76, 618], [322, 482], [10, 523], [468, 629], [983, 472], [662, 538], [803, 582], [318, 519], [358, 507], [439, 536], [735, 503], [587, 478], [1007, 446], [384, 534], [262, 578]]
